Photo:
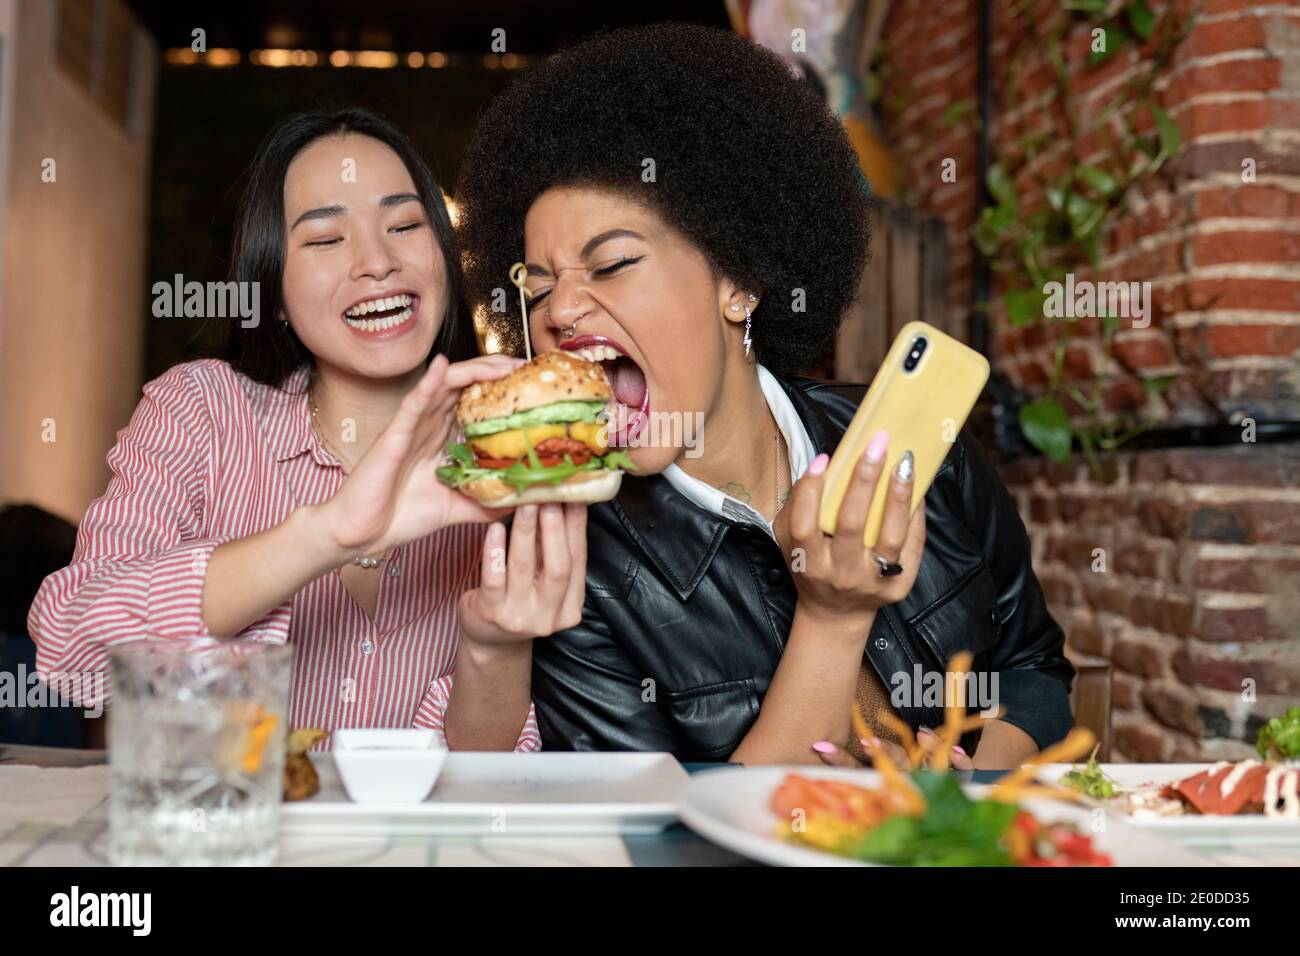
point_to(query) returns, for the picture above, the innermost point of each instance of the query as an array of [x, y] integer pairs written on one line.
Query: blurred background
[[1010, 144]]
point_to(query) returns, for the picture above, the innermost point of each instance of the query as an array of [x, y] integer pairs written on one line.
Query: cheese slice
[[594, 435], [512, 443]]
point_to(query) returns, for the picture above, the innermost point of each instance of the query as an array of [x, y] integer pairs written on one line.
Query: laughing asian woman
[[287, 494]]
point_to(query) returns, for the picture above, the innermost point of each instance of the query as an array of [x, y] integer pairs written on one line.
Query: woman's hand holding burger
[[393, 494], [536, 444], [535, 441], [527, 589]]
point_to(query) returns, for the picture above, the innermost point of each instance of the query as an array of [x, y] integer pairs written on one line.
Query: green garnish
[[520, 475], [1279, 739], [1090, 781], [955, 831]]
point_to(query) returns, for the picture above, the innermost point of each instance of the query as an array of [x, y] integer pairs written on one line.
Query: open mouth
[[630, 408], [381, 313]]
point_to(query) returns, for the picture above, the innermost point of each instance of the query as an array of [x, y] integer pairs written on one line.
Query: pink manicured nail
[[877, 446], [957, 750], [818, 465], [869, 742], [824, 747]]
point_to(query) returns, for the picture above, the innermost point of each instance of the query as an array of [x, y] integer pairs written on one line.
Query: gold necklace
[[780, 498], [362, 561]]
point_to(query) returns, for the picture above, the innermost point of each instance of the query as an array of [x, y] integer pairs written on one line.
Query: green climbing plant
[[1032, 242]]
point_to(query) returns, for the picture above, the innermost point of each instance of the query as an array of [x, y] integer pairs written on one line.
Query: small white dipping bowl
[[383, 765]]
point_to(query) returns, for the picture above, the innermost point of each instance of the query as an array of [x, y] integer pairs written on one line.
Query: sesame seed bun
[[586, 487], [550, 377]]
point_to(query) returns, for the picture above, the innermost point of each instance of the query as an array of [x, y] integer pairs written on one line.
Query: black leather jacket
[[687, 613]]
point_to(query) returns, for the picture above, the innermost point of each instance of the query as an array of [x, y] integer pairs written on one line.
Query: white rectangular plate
[[511, 794], [732, 807], [1193, 829]]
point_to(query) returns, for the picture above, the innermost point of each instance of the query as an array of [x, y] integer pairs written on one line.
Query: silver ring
[[569, 332]]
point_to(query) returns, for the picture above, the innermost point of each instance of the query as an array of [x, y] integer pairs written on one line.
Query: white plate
[[509, 794], [1188, 829], [731, 807]]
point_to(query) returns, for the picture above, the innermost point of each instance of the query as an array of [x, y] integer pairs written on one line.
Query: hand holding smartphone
[[921, 396]]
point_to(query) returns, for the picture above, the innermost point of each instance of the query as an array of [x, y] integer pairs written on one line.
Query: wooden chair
[[905, 278], [1090, 699]]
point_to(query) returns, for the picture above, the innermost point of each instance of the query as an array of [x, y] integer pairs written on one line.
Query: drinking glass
[[196, 738]]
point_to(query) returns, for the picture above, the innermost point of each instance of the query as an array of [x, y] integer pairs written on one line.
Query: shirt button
[[392, 570], [993, 617], [367, 647]]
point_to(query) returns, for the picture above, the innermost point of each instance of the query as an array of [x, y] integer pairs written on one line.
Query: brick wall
[[929, 64], [1182, 569], [1200, 593]]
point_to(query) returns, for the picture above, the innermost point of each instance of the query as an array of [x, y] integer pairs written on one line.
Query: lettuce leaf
[[520, 475], [1280, 737], [955, 831]]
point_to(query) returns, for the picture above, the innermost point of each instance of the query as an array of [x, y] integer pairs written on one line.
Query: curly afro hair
[[750, 166]]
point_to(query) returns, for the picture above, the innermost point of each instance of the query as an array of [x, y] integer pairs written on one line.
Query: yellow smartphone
[[921, 395]]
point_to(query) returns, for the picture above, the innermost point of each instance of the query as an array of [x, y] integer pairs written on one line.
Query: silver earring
[[734, 307], [752, 298], [748, 340]]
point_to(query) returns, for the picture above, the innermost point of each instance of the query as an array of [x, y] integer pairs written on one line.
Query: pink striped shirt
[[211, 456]]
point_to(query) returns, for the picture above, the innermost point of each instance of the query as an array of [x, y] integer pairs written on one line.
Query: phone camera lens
[[915, 352]]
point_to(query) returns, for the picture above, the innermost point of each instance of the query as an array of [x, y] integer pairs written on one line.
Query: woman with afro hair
[[692, 216]]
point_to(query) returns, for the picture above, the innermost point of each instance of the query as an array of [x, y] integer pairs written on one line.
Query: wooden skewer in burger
[[541, 434]]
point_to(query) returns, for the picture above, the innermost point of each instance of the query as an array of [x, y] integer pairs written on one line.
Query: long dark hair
[[271, 351]]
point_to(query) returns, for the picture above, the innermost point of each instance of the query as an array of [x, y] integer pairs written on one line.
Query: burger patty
[[550, 452]]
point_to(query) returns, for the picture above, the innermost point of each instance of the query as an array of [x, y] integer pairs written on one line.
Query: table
[[81, 837], [75, 833]]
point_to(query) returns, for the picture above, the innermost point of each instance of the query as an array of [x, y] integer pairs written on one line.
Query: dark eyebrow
[[329, 212], [396, 199], [321, 212], [587, 250], [595, 241]]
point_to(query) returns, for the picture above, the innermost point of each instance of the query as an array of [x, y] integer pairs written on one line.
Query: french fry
[[1020, 792], [915, 752], [954, 713], [895, 782], [1077, 743], [865, 731], [969, 723], [840, 814]]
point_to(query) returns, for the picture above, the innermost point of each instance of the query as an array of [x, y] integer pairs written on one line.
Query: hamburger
[[539, 435]]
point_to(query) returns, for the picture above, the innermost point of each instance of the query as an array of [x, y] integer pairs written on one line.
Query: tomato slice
[[550, 453], [580, 452]]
